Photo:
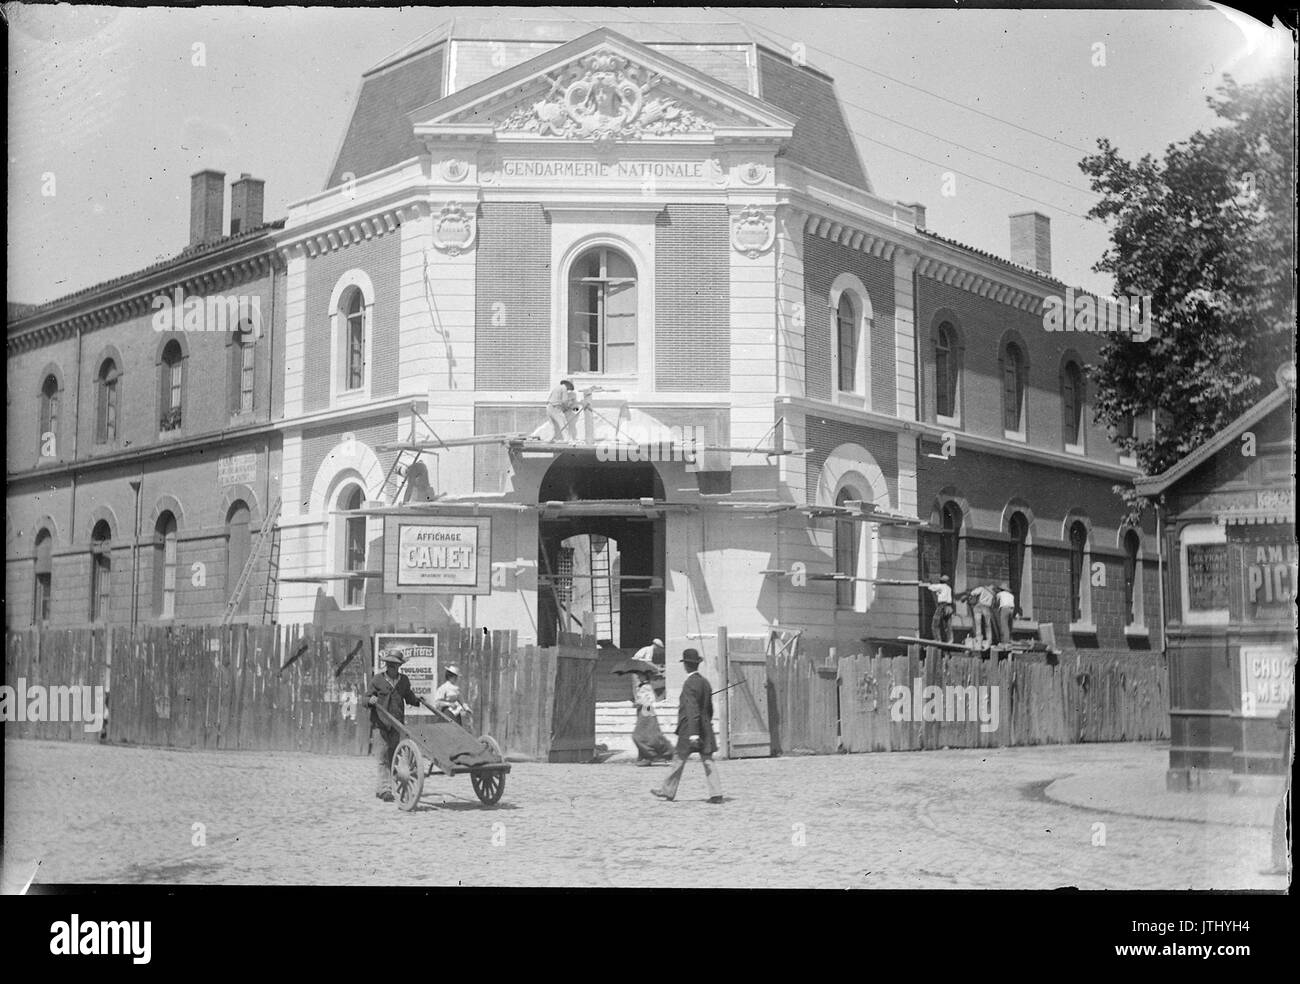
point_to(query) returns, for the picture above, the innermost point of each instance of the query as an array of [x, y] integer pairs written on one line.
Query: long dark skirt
[[649, 739]]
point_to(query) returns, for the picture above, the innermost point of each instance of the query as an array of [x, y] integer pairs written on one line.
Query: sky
[[977, 114]]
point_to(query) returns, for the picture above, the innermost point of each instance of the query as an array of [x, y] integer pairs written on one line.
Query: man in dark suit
[[694, 731], [390, 690]]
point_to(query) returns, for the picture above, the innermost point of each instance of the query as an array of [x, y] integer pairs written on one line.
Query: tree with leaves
[[1209, 233]]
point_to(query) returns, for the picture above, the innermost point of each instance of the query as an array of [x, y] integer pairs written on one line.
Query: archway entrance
[[603, 571]]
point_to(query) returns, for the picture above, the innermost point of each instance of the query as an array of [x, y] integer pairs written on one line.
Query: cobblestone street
[[955, 819]]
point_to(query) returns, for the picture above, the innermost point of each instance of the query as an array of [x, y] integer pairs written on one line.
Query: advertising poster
[[420, 653]]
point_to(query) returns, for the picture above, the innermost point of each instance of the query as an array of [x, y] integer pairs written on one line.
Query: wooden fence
[[280, 688]]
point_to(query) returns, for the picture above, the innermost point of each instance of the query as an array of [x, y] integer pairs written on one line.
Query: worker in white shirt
[[941, 622], [981, 604], [562, 408], [1004, 611], [447, 697]]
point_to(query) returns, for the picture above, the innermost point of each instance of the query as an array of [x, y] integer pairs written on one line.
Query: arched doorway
[[616, 551]]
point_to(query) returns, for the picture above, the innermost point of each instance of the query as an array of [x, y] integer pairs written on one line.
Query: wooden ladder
[[246, 575], [602, 602]]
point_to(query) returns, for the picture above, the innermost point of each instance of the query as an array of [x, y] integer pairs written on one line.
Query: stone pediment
[[605, 89]]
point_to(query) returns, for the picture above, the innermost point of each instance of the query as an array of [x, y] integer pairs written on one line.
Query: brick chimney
[[918, 212], [207, 200], [246, 197], [1031, 241]]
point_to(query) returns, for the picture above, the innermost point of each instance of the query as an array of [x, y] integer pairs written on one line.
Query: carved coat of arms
[[453, 229], [604, 97]]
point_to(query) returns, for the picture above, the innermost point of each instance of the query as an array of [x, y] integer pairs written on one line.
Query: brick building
[[687, 232], [141, 430], [833, 393]]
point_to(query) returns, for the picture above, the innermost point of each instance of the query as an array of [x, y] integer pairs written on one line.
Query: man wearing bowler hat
[[694, 731], [390, 690]]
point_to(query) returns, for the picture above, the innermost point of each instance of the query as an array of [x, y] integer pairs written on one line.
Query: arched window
[[1078, 570], [238, 546], [602, 312], [1013, 388], [44, 577], [242, 367], [106, 402], [164, 566], [170, 379], [946, 372], [847, 540], [353, 312], [1017, 546], [846, 326], [950, 541], [1072, 399], [1132, 578], [101, 570], [49, 435], [354, 547], [1125, 426]]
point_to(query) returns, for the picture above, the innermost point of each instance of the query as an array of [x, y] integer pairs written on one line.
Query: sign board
[[1207, 576], [427, 555], [1267, 678], [420, 653], [237, 469]]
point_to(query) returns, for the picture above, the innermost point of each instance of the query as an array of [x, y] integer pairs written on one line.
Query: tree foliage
[[1209, 233]]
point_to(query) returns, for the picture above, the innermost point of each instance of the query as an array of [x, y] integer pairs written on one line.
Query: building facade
[[1229, 530], [788, 390], [141, 431]]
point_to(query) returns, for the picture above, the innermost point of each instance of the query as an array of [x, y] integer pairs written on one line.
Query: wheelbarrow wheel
[[488, 786], [408, 775]]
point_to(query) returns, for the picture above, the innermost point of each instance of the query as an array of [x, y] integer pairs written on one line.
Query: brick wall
[[823, 262], [824, 436], [692, 299], [380, 259], [371, 431], [981, 323], [512, 335]]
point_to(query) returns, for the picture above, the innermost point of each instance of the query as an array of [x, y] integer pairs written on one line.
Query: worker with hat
[[694, 731], [392, 691], [447, 697], [941, 621]]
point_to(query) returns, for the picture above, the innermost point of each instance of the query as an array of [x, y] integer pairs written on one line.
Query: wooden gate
[[573, 733], [748, 734]]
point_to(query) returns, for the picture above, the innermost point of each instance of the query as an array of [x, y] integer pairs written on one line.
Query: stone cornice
[[336, 233], [978, 283], [95, 310]]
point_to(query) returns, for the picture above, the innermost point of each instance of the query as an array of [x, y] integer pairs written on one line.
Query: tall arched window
[[846, 326], [602, 312], [164, 566], [44, 577], [101, 570], [946, 373], [353, 310], [847, 539], [49, 435], [1078, 569], [1132, 581], [950, 541], [354, 547], [242, 366], [238, 545], [1018, 540], [108, 383], [1072, 398], [1013, 388], [170, 380]]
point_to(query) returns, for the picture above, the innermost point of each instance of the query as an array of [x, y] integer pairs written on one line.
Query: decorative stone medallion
[[454, 169], [753, 231], [753, 173], [453, 229]]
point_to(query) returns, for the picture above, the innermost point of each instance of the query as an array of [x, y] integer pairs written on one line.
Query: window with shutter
[[603, 313], [1013, 387], [44, 576], [847, 325], [1072, 403], [355, 340], [945, 373], [1078, 549]]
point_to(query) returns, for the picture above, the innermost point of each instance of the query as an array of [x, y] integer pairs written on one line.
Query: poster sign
[[421, 655], [1267, 676], [1207, 576], [237, 469], [426, 555]]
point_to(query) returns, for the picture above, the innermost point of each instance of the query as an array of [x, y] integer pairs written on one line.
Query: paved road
[[929, 820]]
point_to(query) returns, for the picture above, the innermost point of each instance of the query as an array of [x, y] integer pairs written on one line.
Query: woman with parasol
[[647, 736]]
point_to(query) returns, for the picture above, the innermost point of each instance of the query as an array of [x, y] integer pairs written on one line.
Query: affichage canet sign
[[427, 555]]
